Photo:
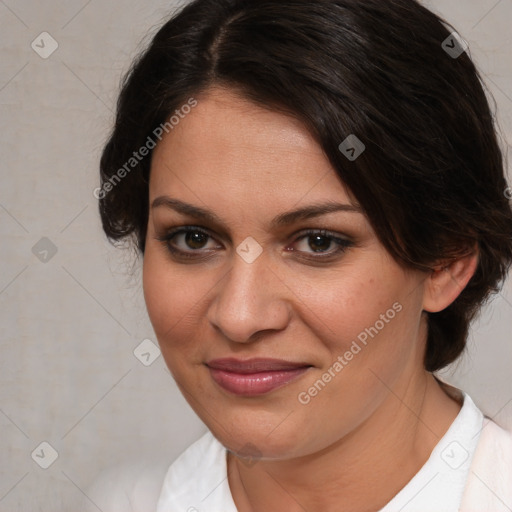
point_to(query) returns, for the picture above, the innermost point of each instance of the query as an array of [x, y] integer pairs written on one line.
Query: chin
[[254, 437]]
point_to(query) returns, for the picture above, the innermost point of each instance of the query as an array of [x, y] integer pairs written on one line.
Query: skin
[[375, 424]]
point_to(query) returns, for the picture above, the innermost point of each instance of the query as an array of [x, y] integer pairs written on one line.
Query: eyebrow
[[283, 219]]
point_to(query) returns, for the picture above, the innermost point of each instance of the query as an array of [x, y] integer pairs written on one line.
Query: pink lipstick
[[254, 377]]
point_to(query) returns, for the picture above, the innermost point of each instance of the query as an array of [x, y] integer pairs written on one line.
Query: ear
[[447, 281]]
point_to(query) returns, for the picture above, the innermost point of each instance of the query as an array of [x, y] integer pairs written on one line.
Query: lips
[[254, 377]]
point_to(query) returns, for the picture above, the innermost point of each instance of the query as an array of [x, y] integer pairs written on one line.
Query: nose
[[249, 299]]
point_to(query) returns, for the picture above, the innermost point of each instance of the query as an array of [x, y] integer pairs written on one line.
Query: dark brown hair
[[431, 179]]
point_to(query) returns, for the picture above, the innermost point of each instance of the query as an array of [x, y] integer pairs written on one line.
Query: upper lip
[[253, 365]]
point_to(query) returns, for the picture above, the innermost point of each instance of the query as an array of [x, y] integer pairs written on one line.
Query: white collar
[[197, 481]]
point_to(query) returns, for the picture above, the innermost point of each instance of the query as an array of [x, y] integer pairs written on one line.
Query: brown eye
[[195, 239], [186, 241], [319, 242]]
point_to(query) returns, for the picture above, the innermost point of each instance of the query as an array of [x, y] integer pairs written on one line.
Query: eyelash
[[343, 244]]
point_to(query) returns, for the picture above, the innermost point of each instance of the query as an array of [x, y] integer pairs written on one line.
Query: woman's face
[[340, 316]]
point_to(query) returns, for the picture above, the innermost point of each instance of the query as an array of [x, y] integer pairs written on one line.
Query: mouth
[[254, 377]]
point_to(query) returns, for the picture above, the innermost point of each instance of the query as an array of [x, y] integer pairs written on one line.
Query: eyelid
[[343, 242], [168, 234]]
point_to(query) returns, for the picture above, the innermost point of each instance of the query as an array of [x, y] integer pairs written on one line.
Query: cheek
[[170, 296], [367, 325], [364, 356], [347, 306]]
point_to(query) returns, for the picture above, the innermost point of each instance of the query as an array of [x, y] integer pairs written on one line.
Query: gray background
[[69, 325]]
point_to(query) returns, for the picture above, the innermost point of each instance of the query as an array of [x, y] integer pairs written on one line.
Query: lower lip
[[253, 384]]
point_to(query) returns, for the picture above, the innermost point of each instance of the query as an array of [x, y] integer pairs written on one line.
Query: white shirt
[[439, 484], [469, 470], [198, 479]]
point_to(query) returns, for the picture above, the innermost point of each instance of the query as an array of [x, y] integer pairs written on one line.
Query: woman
[[319, 197]]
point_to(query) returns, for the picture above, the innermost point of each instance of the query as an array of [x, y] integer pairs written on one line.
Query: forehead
[[229, 149]]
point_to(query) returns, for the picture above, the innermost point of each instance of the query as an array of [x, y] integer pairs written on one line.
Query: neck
[[383, 454]]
